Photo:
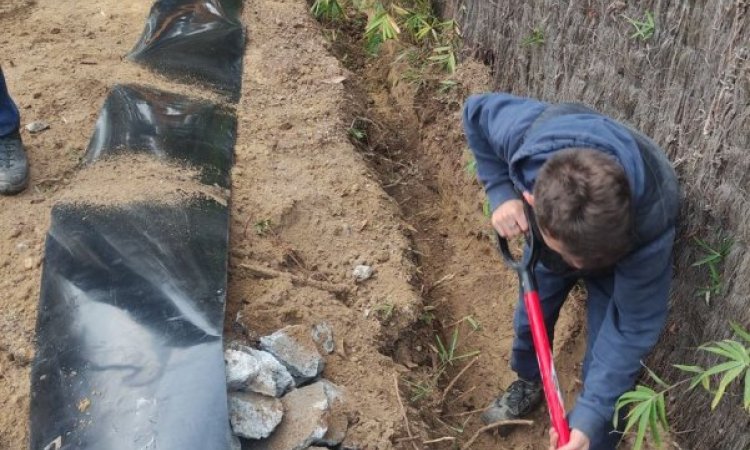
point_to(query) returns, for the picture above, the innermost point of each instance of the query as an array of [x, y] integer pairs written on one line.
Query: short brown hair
[[582, 199]]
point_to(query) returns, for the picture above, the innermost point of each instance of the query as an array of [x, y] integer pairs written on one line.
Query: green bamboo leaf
[[656, 378], [642, 424], [706, 383], [636, 414], [653, 415], [728, 378], [662, 410], [645, 389], [743, 354], [692, 369], [722, 368], [637, 395], [746, 401], [724, 348], [740, 331], [699, 379]]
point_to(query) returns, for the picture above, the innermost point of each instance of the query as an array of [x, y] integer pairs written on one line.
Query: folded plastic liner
[[195, 40], [140, 119], [129, 331]]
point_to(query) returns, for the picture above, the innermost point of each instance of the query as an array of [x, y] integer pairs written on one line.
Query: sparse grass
[[534, 39], [712, 258], [447, 354], [644, 29], [262, 227], [419, 390]]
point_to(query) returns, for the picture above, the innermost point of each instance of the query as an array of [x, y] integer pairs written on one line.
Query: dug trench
[[408, 126]]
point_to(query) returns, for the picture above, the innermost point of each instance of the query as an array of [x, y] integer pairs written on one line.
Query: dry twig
[[442, 439], [492, 426], [455, 379], [403, 412], [264, 272]]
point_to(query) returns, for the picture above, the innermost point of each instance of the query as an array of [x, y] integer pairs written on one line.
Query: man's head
[[583, 207]]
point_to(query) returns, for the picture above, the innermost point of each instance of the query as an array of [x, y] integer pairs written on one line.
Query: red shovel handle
[[546, 367]]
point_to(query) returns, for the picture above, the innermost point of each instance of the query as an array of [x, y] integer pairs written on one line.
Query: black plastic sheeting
[[140, 119], [129, 329], [195, 40]]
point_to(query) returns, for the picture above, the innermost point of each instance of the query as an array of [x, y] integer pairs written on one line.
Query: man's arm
[[495, 125], [631, 327]]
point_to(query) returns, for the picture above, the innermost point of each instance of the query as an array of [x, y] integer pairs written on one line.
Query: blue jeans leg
[[553, 289], [599, 298], [9, 118]]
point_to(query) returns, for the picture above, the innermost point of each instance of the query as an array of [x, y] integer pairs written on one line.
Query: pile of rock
[[277, 400]]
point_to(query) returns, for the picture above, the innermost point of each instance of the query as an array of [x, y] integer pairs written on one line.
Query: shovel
[[525, 269]]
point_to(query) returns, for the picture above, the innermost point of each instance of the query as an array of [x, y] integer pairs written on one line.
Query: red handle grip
[[546, 367]]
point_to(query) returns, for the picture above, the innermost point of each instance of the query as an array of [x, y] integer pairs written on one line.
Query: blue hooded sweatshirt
[[511, 138]]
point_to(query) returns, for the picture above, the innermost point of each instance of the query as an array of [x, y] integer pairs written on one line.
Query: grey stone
[[305, 421], [362, 272], [36, 126], [242, 367], [273, 378], [295, 348], [338, 423], [322, 334], [254, 416]]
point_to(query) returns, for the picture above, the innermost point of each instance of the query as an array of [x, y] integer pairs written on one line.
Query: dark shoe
[[14, 167], [521, 398]]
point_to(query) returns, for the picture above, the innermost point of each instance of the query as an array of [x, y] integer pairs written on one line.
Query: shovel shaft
[[546, 367]]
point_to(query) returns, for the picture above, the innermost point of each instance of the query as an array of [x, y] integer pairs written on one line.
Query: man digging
[[605, 198]]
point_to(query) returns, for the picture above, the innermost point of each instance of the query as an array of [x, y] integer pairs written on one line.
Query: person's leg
[[553, 290], [9, 118], [599, 299], [525, 394], [14, 167]]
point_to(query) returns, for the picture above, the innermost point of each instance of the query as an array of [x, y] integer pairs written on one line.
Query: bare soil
[[304, 200]]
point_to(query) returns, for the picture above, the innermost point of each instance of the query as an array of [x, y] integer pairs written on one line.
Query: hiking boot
[[14, 167], [521, 398]]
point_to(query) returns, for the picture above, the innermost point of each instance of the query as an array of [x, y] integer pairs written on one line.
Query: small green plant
[[262, 227], [327, 9], [647, 411], [419, 390], [474, 323], [447, 85], [644, 29], [384, 311], [736, 361], [535, 38], [647, 406], [381, 27], [445, 57], [448, 354], [712, 258], [357, 134], [471, 167]]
